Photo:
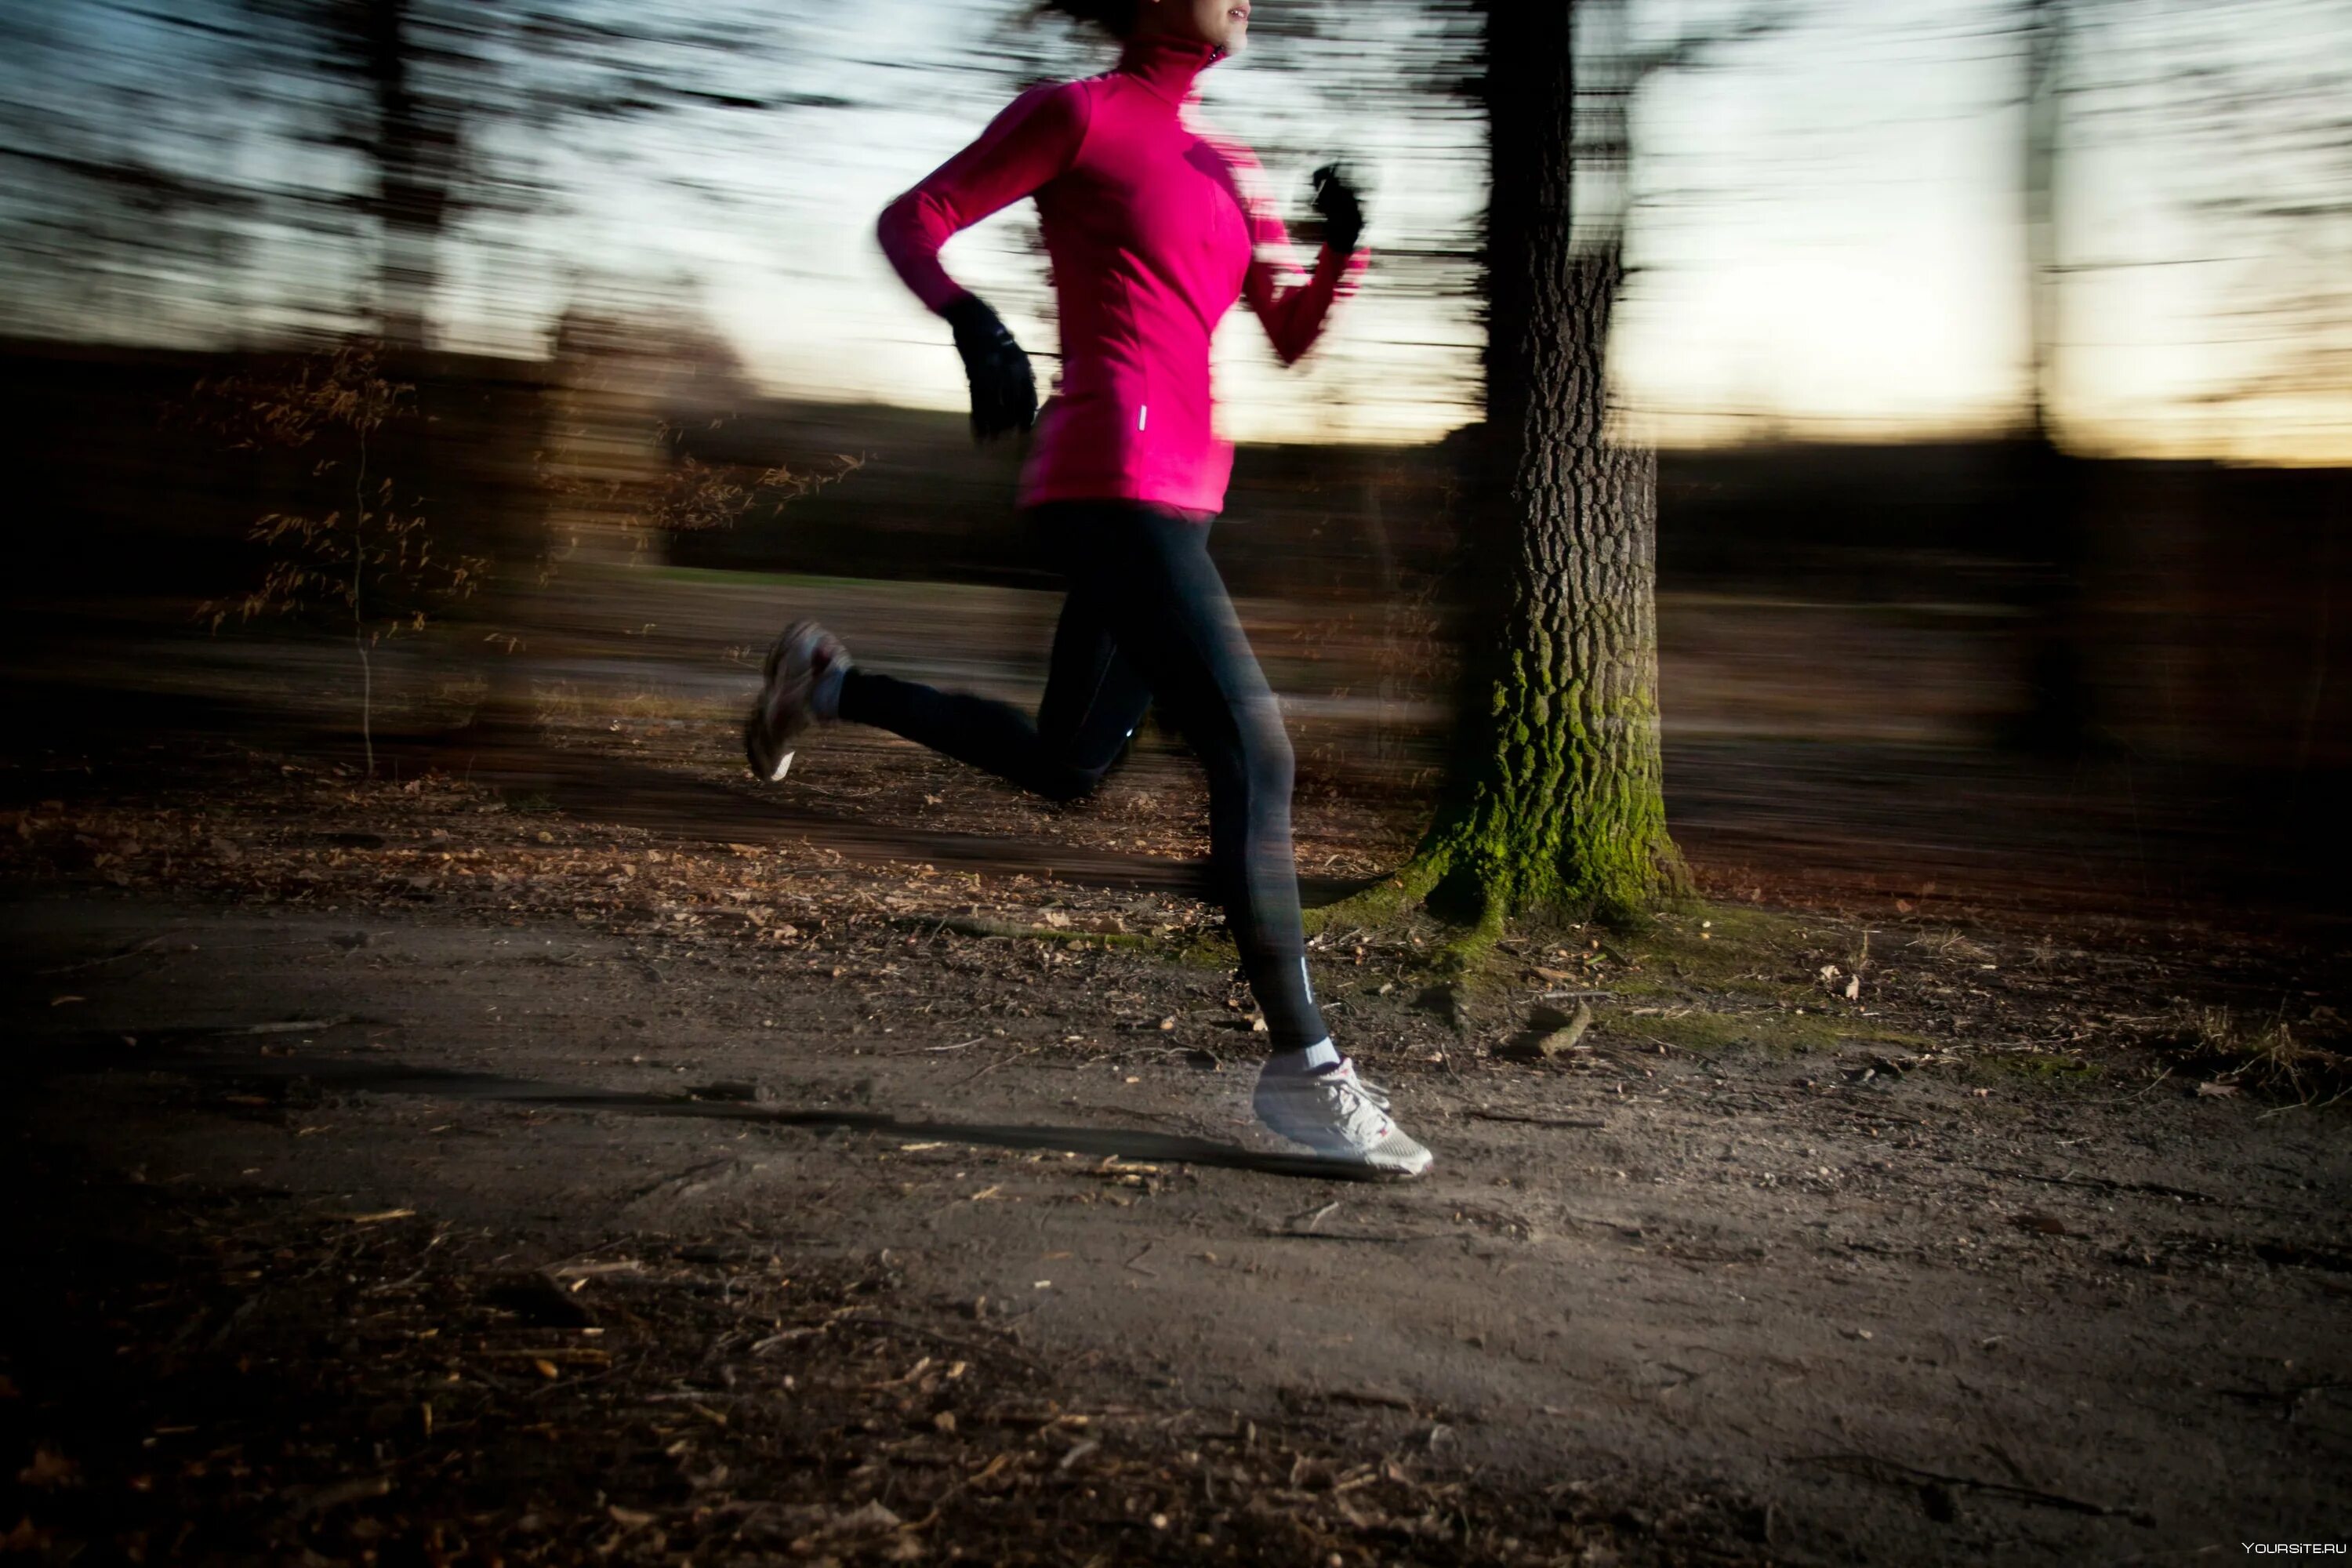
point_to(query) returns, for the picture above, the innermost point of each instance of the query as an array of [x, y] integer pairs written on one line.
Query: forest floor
[[597, 1154]]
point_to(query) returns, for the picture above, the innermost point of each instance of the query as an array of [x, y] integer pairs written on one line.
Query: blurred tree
[[1557, 801], [450, 106], [413, 150], [133, 207], [2241, 107], [2244, 106], [446, 105], [1555, 804], [2058, 718], [353, 559]]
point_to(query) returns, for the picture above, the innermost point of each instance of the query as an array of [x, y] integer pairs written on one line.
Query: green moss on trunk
[[1556, 800]]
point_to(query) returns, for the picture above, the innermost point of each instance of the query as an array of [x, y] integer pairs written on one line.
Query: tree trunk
[[415, 149], [1557, 801], [2057, 720]]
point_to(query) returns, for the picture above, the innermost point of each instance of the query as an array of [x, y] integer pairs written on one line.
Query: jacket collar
[[1168, 67]]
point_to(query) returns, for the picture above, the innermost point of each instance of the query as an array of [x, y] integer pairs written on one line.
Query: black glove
[[1340, 206], [1004, 388]]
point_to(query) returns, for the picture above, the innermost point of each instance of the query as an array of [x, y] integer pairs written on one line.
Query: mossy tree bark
[[1555, 803]]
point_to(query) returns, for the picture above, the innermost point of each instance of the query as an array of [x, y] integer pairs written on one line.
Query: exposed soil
[[433, 1169], [571, 1150]]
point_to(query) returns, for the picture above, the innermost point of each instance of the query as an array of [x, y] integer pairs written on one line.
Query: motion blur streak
[[1948, 313]]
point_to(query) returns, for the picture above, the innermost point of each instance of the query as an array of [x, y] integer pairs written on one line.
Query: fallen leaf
[[872, 1517], [25, 1538], [318, 1500], [49, 1468]]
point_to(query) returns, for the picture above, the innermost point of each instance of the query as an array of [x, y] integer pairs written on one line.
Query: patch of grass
[[1694, 1029], [1781, 1032], [1733, 948], [2264, 1053], [562, 705], [2033, 1066], [1212, 948]]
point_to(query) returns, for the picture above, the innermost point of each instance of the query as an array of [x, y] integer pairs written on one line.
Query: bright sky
[[1826, 234]]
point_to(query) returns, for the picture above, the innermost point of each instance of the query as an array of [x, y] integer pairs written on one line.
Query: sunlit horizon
[[1826, 241]]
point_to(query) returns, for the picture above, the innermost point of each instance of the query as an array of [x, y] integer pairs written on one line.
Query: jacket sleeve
[[1036, 138], [1293, 309]]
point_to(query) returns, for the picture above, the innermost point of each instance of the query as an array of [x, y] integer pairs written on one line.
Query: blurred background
[[420, 380]]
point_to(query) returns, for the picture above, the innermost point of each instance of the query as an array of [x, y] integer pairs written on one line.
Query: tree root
[[1384, 904], [1447, 869]]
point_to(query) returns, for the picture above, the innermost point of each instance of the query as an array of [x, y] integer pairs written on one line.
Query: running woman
[[1154, 232]]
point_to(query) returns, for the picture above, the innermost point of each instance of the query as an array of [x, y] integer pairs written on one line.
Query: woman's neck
[[1169, 65]]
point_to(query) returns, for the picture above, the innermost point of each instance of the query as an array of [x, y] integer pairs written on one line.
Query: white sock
[[1322, 1054]]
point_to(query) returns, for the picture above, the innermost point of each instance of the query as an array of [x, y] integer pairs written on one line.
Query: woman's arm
[[1033, 141], [1292, 310]]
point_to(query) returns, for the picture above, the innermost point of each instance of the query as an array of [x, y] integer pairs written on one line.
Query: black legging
[[1147, 620]]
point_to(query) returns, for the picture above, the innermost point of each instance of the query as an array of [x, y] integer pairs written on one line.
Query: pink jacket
[[1154, 232]]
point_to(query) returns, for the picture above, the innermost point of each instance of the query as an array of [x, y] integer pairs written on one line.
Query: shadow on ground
[[717, 1102]]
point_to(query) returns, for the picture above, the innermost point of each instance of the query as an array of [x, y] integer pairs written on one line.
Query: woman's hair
[[1115, 17]]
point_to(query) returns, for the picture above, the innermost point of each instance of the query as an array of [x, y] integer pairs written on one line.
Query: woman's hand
[[1340, 206], [1004, 388]]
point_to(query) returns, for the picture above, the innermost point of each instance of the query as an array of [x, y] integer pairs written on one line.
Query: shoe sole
[[1349, 1159], [1362, 1168], [777, 696]]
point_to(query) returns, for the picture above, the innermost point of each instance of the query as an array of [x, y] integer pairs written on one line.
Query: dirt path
[[1748, 1304]]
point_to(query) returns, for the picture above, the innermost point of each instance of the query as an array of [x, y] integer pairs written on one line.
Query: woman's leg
[[1094, 696], [1148, 620], [1178, 631], [1094, 699], [1181, 631]]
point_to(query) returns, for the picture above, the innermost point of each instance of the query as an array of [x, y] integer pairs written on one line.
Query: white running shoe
[[1340, 1117], [804, 683]]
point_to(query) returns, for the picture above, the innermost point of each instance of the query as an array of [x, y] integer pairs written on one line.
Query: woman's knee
[[1075, 769], [1261, 764], [1271, 764]]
